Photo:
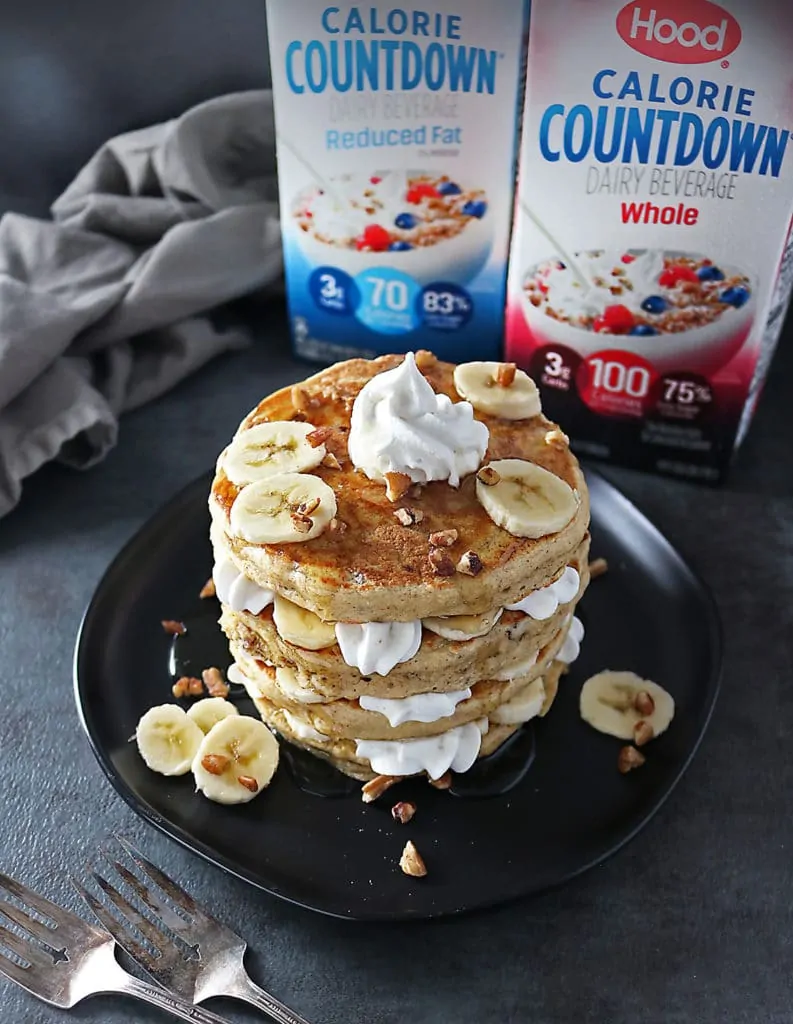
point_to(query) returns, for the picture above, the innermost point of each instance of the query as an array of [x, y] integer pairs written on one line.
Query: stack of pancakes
[[442, 565]]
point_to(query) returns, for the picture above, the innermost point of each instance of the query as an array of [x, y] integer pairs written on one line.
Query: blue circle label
[[388, 300], [444, 306], [334, 291]]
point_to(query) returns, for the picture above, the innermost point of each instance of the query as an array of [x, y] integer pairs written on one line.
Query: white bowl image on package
[[680, 311], [425, 225]]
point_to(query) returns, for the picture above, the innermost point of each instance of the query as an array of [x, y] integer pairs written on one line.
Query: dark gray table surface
[[692, 922]]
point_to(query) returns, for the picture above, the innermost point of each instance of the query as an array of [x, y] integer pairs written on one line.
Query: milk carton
[[651, 261], [396, 135]]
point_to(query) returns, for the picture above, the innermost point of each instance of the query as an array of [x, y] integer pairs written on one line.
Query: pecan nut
[[215, 683], [403, 811], [375, 787], [630, 758], [488, 476], [411, 861], [470, 563]]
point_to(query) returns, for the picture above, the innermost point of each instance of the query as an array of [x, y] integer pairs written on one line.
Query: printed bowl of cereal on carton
[[673, 308], [428, 225]]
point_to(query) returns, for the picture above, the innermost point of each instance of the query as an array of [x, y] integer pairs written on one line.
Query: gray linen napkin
[[107, 306]]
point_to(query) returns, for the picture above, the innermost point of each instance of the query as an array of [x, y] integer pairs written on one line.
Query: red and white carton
[[652, 261]]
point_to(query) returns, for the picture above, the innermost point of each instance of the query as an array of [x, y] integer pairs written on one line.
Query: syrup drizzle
[[204, 646]]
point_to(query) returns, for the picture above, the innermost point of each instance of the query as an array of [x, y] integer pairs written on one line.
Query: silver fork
[[69, 959], [196, 957]]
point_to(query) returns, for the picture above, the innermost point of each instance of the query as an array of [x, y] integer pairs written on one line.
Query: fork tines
[[174, 922]]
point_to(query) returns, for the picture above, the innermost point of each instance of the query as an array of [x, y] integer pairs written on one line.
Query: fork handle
[[131, 986], [248, 991]]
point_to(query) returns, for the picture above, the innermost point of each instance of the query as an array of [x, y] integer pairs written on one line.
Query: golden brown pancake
[[377, 569], [341, 752], [347, 719]]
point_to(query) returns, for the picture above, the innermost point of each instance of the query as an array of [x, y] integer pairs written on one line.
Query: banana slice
[[208, 712], [463, 627], [286, 681], [167, 739], [614, 702], [286, 508], [236, 760], [498, 390], [526, 500], [269, 449], [301, 627], [525, 705]]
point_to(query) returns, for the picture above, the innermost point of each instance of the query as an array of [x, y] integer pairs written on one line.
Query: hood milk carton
[[651, 259], [396, 132]]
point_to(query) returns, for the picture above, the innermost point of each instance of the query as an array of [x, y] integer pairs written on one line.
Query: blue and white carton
[[396, 136]]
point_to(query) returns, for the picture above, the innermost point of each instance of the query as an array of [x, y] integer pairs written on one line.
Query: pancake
[[347, 719], [448, 664], [341, 752], [377, 569]]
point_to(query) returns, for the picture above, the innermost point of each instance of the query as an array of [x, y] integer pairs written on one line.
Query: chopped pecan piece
[[403, 811], [208, 589], [181, 687], [440, 562], [305, 508], [249, 783], [301, 523], [396, 485], [630, 758], [488, 476], [337, 526], [470, 563], [174, 628], [408, 516], [597, 568], [319, 436], [215, 683], [443, 538], [643, 732], [644, 703], [505, 374], [412, 862], [330, 461], [444, 782], [375, 787], [215, 764]]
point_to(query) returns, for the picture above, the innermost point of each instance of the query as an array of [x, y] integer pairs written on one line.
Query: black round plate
[[649, 613]]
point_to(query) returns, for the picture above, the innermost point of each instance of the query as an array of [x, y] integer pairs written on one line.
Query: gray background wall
[[75, 72]]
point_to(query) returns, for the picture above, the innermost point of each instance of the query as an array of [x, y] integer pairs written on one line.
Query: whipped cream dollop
[[237, 591], [541, 604], [421, 707], [571, 646], [376, 647], [399, 425], [456, 750], [301, 729]]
